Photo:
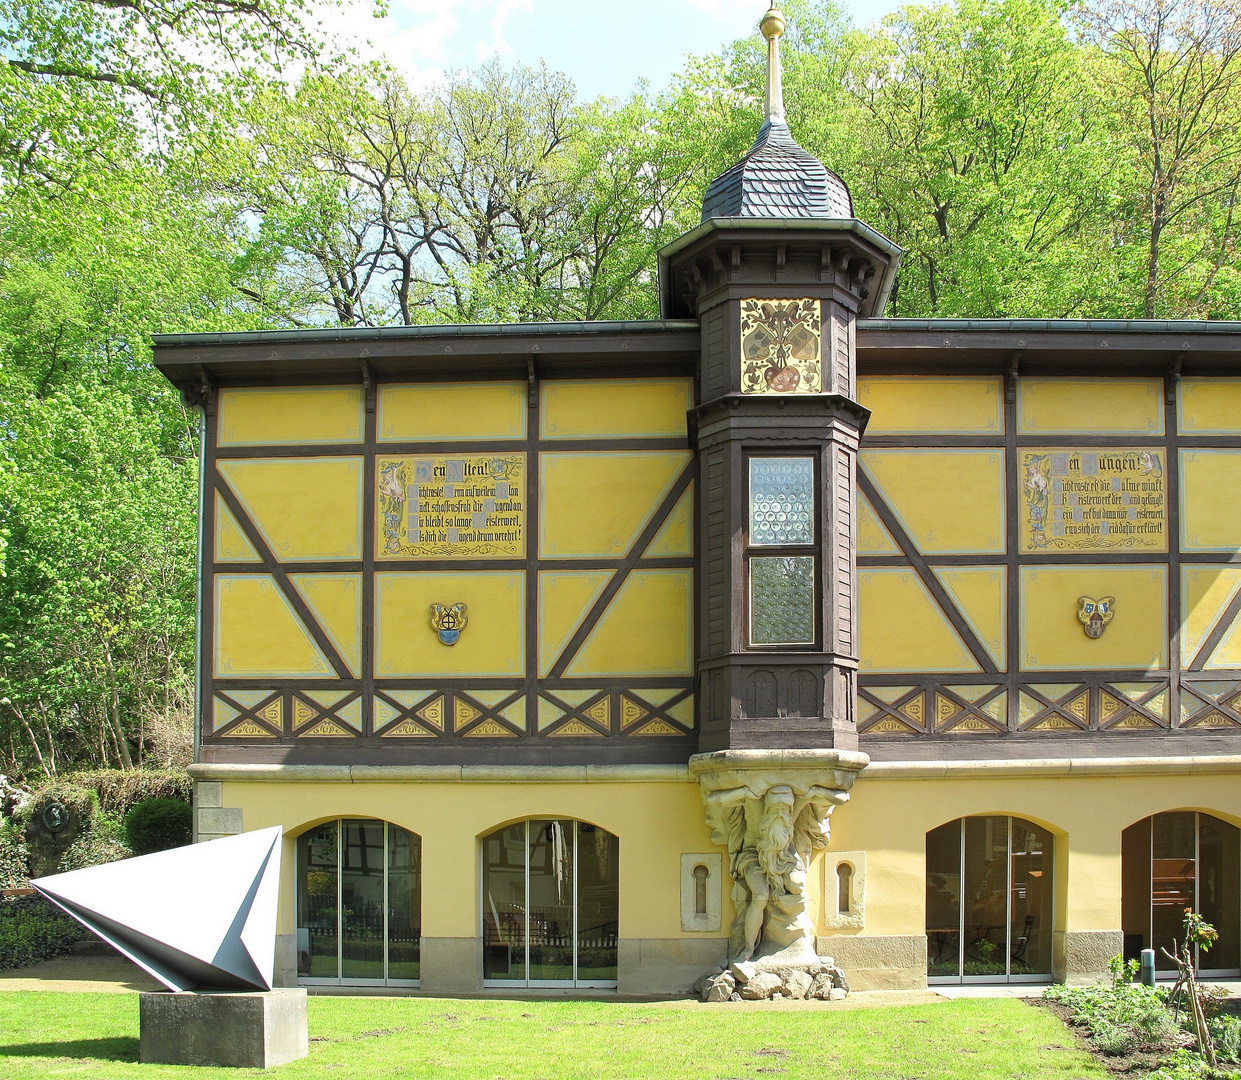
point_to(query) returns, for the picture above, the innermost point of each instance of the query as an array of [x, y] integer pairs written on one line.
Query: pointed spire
[[776, 178], [772, 27]]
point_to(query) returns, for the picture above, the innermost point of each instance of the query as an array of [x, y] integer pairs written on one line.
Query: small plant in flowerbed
[[1180, 1033], [1123, 1018]]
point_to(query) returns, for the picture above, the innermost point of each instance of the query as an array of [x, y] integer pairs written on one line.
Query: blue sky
[[605, 46]]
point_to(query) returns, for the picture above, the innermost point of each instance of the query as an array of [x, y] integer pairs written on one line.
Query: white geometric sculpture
[[200, 915]]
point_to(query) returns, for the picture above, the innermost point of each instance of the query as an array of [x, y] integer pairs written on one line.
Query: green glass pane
[[598, 903], [404, 903], [316, 903], [362, 900], [781, 501], [782, 600], [504, 904]]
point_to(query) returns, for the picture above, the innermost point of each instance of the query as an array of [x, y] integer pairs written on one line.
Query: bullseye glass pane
[[782, 600], [781, 501]]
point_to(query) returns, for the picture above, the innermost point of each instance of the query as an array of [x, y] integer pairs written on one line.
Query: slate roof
[[777, 179]]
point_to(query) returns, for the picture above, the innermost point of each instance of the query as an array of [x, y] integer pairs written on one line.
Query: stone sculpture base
[[223, 1027], [763, 980]]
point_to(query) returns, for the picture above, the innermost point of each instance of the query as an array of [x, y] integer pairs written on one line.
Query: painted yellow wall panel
[[231, 544], [279, 416], [1209, 406], [1052, 638], [615, 408], [646, 630], [872, 537], [446, 412], [949, 501], [1205, 593], [981, 595], [564, 600], [492, 643], [888, 818], [901, 629], [901, 405], [336, 601], [1227, 654], [258, 634], [655, 823], [596, 504], [1209, 521], [676, 535], [306, 508], [1090, 406]]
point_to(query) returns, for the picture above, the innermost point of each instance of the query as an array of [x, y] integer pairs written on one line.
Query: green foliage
[[1186, 1065], [158, 824], [32, 930], [14, 858], [1121, 1017], [120, 789]]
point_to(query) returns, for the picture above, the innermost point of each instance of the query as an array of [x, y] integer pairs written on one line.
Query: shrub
[[1120, 1017], [1187, 1065], [14, 859], [32, 930], [122, 789], [158, 824]]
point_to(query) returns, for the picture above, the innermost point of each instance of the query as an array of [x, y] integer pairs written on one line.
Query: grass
[[45, 1034]]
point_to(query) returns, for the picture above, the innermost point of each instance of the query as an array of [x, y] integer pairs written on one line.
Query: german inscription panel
[[458, 506], [1093, 499]]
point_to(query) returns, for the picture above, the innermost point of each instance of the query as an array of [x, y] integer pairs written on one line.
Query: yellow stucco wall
[[656, 823]]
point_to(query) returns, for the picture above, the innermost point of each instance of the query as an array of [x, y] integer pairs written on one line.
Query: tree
[[1172, 68]]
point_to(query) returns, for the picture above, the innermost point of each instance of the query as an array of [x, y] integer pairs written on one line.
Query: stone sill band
[[680, 774]]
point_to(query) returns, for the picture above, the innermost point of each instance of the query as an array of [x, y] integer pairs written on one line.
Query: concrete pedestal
[[222, 1027]]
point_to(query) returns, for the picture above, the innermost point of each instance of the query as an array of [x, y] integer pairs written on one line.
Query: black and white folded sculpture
[[197, 916]]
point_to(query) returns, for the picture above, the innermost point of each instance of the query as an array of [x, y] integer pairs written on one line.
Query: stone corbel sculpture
[[772, 810]]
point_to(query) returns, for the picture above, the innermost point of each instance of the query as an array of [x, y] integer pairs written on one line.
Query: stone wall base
[[225, 1028], [667, 966], [451, 965], [878, 963], [1080, 957]]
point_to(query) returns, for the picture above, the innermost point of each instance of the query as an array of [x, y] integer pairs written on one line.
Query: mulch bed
[[1137, 1062]]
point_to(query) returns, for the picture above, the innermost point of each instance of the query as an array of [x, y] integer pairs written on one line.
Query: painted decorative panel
[[271, 416], [452, 412], [901, 628], [1208, 599], [1209, 406], [1051, 634], [304, 508], [492, 644], [615, 408], [1091, 499], [929, 405], [781, 347], [947, 501], [258, 634], [1209, 522], [622, 490], [468, 507], [647, 629], [1089, 406], [980, 594]]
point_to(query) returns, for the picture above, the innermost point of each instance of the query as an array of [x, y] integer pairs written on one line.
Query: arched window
[[1175, 861], [844, 888], [551, 898], [359, 903], [988, 900]]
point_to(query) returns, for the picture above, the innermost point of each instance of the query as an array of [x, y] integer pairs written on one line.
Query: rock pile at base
[[752, 982]]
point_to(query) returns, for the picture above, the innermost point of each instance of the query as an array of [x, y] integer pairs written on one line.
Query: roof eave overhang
[[852, 226]]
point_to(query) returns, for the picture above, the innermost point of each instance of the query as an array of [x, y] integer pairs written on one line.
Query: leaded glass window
[[781, 501], [782, 560]]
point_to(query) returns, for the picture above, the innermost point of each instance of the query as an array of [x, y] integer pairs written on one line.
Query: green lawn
[[96, 1035]]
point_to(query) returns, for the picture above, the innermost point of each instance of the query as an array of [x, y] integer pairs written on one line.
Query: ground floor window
[[988, 900], [551, 897], [1175, 861], [359, 903]]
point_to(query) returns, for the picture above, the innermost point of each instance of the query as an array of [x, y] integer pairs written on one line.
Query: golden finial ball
[[772, 25]]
